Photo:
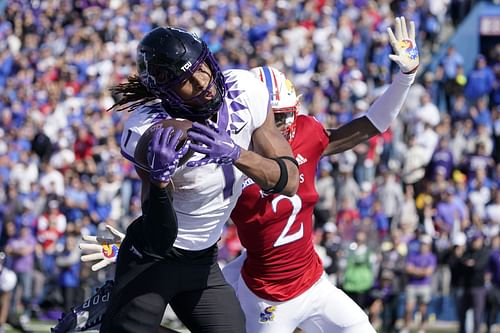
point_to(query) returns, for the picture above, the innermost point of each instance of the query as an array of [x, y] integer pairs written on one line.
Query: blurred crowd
[[413, 212]]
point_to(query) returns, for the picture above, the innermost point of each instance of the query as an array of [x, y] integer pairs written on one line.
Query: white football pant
[[322, 309]]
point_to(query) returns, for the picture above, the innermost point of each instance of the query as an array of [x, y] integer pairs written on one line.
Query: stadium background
[[61, 173]]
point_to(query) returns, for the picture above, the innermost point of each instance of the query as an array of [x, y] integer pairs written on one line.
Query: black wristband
[[291, 159], [283, 180]]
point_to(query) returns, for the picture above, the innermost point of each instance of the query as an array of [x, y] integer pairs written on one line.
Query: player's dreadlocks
[[132, 91]]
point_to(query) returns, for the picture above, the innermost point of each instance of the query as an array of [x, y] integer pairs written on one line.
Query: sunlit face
[[194, 90]]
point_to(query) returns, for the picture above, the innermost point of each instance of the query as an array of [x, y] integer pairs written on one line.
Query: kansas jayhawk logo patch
[[268, 314], [407, 46], [110, 250]]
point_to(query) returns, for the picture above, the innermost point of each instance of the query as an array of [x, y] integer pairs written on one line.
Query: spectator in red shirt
[[51, 227], [83, 144]]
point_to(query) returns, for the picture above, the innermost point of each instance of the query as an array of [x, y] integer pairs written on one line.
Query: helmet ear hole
[[161, 77]]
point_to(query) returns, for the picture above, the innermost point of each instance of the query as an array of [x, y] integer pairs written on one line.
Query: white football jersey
[[205, 196]]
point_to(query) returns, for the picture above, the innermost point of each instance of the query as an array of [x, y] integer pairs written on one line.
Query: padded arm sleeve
[[386, 108], [156, 232]]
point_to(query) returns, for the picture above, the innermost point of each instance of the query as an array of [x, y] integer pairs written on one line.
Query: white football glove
[[404, 46], [105, 249]]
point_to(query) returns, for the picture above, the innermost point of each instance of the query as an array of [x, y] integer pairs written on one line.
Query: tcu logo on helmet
[[186, 66]]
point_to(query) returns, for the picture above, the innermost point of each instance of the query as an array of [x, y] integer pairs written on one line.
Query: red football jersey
[[277, 230]]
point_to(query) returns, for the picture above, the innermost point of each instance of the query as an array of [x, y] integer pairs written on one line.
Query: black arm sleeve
[[156, 232]]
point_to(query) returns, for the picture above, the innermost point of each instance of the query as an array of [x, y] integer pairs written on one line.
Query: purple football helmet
[[167, 57]]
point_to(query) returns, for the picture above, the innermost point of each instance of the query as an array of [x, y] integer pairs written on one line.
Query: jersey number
[[297, 205]]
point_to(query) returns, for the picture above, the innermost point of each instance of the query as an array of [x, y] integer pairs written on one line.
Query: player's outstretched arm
[[386, 108]]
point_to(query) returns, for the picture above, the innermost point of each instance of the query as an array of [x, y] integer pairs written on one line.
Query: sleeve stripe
[[131, 159], [127, 156]]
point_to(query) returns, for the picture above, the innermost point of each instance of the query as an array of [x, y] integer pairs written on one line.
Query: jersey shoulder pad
[[243, 86], [311, 128]]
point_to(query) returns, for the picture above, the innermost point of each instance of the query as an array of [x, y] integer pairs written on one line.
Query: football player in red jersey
[[282, 284]]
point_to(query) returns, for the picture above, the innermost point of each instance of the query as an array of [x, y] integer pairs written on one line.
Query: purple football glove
[[163, 159], [215, 143]]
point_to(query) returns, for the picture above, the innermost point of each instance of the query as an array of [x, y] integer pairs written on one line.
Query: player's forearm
[[349, 135], [386, 108], [266, 172], [154, 233], [160, 220]]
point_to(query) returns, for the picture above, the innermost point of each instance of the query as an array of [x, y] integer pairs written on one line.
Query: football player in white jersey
[[233, 136], [279, 280]]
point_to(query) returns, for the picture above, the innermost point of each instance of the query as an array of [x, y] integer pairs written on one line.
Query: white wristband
[[386, 108]]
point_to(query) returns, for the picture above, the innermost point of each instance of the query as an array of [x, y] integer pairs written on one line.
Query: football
[[141, 150]]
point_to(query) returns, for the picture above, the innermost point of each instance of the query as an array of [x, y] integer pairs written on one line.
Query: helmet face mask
[[283, 99], [285, 121], [167, 57]]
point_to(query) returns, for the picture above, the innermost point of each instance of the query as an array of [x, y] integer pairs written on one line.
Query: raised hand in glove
[[214, 142], [104, 249], [404, 46], [163, 158]]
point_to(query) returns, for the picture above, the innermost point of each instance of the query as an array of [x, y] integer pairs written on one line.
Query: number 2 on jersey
[[297, 206]]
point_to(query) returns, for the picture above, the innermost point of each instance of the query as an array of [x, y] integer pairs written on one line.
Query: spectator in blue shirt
[[380, 219], [482, 114], [75, 200], [379, 53], [357, 50], [459, 110], [450, 62], [480, 80], [68, 263]]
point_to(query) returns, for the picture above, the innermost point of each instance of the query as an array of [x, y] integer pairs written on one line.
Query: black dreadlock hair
[[132, 91]]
